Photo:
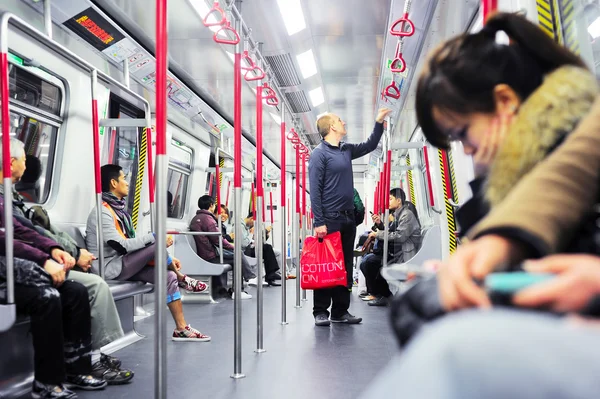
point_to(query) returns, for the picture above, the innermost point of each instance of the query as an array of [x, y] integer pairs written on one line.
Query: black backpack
[[359, 209]]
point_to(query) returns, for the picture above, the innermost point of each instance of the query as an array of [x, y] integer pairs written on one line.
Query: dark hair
[[398, 193], [33, 169], [225, 208], [461, 74], [109, 173], [250, 215], [205, 202], [413, 209]]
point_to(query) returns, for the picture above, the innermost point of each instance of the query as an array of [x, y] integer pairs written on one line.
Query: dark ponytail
[[460, 75]]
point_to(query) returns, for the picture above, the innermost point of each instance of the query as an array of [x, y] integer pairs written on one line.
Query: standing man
[[332, 199]]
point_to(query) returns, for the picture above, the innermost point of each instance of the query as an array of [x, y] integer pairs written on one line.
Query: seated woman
[[59, 310], [128, 257], [469, 91]]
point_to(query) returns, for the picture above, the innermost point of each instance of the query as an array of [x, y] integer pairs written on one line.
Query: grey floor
[[302, 361]]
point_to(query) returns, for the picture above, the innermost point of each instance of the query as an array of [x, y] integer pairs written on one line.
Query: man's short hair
[[17, 148], [205, 202], [324, 124], [33, 169], [398, 193], [107, 174]]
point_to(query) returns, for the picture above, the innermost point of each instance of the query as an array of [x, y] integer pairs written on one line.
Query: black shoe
[[322, 320], [112, 376], [43, 391], [379, 301], [85, 382], [110, 361], [347, 318], [273, 283]]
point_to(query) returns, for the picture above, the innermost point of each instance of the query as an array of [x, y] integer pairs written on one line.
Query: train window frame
[[117, 105], [53, 120], [186, 172]]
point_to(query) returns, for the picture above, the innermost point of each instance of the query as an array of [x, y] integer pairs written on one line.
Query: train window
[[39, 138], [120, 145], [180, 169], [30, 89]]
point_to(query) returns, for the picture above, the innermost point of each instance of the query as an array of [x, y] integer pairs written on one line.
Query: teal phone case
[[509, 283]]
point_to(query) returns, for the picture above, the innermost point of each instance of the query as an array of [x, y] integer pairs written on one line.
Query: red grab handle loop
[[249, 74], [398, 64], [226, 28], [215, 9], [272, 101], [401, 32], [269, 95], [392, 91], [246, 57]]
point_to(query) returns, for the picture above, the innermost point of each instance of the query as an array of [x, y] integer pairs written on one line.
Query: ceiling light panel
[[293, 17], [316, 96], [307, 63]]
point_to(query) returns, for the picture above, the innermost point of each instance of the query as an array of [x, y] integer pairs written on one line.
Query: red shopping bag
[[322, 262]]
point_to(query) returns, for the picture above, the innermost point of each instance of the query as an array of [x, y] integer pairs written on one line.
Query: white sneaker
[[244, 295], [254, 282]]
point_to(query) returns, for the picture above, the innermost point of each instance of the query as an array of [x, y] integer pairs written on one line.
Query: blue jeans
[[496, 354]]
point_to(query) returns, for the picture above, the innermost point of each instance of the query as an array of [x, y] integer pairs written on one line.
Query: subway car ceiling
[[323, 56]]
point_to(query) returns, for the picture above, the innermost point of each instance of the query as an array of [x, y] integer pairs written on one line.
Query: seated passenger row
[[72, 311]]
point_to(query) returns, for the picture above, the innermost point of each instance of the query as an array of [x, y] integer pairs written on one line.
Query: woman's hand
[[488, 148], [85, 259], [576, 283], [62, 257]]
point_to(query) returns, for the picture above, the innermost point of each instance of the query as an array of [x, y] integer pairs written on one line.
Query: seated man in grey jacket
[[128, 257], [404, 240]]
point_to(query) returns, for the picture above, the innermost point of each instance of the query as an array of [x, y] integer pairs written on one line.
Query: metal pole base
[[284, 323], [237, 376], [260, 351], [298, 307]]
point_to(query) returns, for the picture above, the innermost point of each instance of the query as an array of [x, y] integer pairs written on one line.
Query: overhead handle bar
[[215, 9], [248, 60], [255, 68], [402, 32], [226, 28]]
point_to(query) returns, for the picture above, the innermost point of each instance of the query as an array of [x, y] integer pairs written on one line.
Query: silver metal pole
[[282, 207], [237, 204], [48, 17], [160, 272], [258, 233], [126, 72], [99, 231], [9, 235]]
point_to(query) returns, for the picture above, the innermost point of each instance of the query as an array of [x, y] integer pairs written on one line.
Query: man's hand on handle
[[382, 114], [321, 231]]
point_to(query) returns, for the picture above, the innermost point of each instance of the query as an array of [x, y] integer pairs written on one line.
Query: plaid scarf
[[118, 205]]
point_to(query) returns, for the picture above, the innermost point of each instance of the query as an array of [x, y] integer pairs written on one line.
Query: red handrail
[[429, 182], [283, 182], [217, 173], [401, 32], [226, 28], [271, 204], [388, 178], [227, 196], [210, 185], [215, 8], [488, 6], [304, 183], [150, 165]]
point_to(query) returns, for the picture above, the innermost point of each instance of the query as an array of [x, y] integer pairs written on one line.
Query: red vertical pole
[[303, 185], [298, 180], [253, 201], [227, 195], [429, 183], [160, 287], [210, 184], [283, 160], [271, 205], [381, 192], [4, 97], [489, 6], [376, 200]]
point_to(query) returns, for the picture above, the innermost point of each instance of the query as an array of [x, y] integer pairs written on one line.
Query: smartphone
[[509, 283], [371, 212]]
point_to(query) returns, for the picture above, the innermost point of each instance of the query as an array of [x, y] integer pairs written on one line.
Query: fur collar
[[547, 116]]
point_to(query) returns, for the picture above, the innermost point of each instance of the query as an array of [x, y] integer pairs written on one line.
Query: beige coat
[[546, 205]]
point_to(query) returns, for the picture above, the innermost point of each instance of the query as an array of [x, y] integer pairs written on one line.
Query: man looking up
[[332, 199]]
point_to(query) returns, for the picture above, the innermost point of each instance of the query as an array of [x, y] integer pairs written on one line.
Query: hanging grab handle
[[215, 9], [226, 28], [248, 60], [398, 64], [401, 32], [249, 75], [392, 91]]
